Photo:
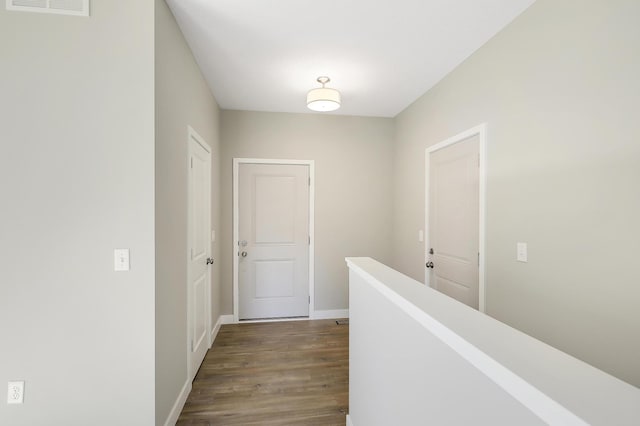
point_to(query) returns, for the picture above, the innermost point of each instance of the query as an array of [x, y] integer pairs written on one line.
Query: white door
[[273, 240], [199, 250], [453, 255]]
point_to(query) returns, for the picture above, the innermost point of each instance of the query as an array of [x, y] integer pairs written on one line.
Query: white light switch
[[421, 236], [522, 252], [121, 259]]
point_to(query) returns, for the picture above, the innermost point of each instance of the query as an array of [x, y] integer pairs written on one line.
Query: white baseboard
[[214, 331], [222, 319], [179, 405], [330, 314], [264, 321], [349, 422], [317, 315], [226, 319]]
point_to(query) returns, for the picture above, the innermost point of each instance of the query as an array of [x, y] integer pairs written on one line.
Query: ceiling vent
[[61, 7]]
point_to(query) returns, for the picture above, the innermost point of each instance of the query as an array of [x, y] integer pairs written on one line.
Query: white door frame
[[480, 131], [236, 228], [192, 134]]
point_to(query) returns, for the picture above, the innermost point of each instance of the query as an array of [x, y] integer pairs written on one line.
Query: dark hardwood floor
[[284, 373]]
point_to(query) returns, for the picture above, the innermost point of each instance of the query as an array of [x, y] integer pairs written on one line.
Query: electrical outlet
[[15, 394]]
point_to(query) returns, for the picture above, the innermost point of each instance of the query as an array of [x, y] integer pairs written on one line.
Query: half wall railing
[[418, 357]]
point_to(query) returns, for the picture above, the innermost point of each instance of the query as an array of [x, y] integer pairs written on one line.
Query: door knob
[[243, 254], [209, 260], [429, 264]]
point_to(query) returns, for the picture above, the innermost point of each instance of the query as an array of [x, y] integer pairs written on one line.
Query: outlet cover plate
[[15, 392]]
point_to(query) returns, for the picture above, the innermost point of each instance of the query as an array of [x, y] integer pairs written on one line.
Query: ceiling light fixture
[[323, 99]]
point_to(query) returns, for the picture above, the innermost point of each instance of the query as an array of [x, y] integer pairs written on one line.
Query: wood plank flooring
[[284, 373]]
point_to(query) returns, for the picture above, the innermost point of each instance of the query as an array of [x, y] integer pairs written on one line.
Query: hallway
[[282, 373]]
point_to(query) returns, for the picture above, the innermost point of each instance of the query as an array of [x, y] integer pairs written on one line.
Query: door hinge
[[309, 239], [309, 181], [192, 162], [309, 299], [478, 259]]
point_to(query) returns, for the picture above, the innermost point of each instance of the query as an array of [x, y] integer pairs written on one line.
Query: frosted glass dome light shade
[[323, 99]]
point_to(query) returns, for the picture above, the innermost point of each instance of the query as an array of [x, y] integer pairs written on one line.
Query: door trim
[[192, 134], [480, 131], [236, 228]]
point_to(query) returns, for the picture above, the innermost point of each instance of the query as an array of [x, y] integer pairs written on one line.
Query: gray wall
[[559, 90], [77, 181], [182, 99], [353, 165]]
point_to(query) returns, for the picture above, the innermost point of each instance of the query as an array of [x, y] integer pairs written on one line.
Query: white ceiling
[[264, 55]]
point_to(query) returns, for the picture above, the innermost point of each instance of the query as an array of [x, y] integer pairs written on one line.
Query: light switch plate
[[420, 236], [521, 252], [121, 260]]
